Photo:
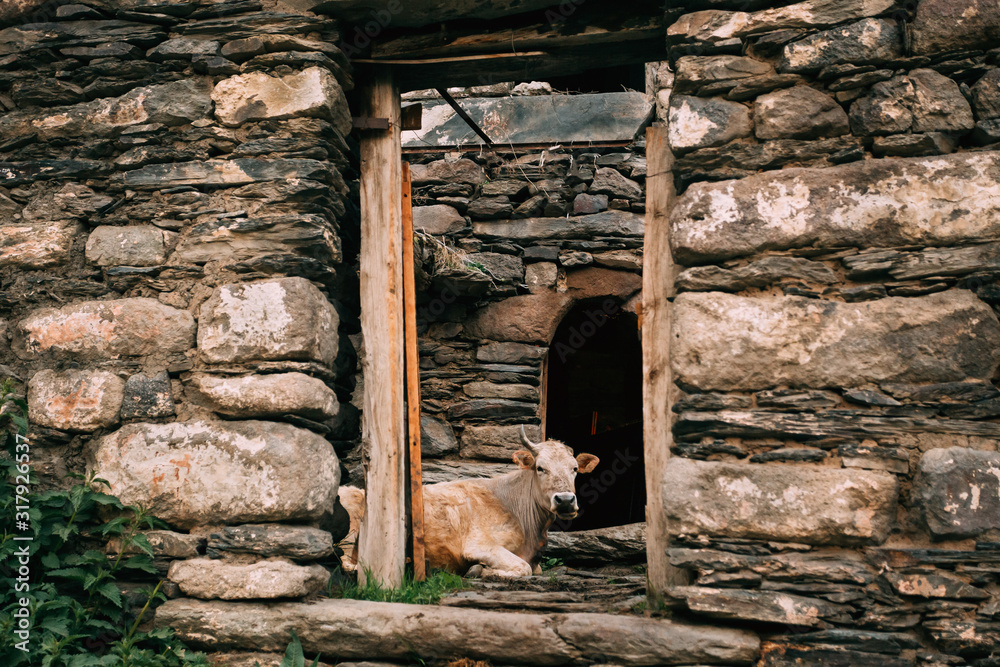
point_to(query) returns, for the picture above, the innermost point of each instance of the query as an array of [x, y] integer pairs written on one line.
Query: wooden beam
[[658, 391], [382, 535], [412, 383], [452, 42]]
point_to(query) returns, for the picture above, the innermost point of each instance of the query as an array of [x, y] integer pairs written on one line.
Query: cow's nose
[[565, 499]]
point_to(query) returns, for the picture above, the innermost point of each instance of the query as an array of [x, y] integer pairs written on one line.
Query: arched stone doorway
[[594, 404]]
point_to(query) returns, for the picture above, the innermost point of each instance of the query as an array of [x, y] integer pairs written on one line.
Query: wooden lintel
[[658, 390], [382, 536], [455, 41], [413, 116], [367, 123]]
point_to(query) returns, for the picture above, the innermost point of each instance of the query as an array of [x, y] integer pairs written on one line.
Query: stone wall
[[510, 242], [176, 240], [836, 340]]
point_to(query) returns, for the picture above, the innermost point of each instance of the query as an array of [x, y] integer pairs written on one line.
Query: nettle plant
[[78, 615]]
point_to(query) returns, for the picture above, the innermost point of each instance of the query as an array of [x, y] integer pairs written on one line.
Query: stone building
[[797, 205]]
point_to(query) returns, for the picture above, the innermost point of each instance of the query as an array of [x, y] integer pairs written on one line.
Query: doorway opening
[[594, 405]]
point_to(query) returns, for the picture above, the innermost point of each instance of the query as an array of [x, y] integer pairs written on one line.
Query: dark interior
[[594, 405]]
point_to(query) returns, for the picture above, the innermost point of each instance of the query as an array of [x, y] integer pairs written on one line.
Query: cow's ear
[[524, 459], [587, 462]]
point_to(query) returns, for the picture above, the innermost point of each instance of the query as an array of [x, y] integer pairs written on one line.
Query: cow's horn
[[527, 442]]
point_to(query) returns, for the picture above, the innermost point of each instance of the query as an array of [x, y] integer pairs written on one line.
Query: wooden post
[[412, 383], [658, 383], [382, 535]]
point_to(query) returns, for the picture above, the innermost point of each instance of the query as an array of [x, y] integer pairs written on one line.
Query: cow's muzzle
[[564, 505]]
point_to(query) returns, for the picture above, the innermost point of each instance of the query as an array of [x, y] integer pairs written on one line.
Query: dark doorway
[[594, 405]]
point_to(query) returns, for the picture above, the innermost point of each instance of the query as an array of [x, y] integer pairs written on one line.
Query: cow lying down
[[501, 522]]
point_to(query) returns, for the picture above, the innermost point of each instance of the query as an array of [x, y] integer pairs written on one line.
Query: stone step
[[355, 629]]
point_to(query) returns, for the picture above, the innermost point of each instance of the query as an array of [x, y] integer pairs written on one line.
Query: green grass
[[437, 585]]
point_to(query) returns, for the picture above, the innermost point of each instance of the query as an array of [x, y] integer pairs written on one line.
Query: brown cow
[[501, 522]]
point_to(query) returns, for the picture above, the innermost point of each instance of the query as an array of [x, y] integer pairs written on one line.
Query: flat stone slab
[[199, 473], [727, 342], [753, 605], [215, 579], [264, 396], [958, 491], [223, 173], [804, 504], [354, 629], [606, 223], [173, 103], [534, 119], [271, 539], [136, 327], [930, 201]]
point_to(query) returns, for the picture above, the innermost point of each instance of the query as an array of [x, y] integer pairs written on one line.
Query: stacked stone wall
[[835, 334], [510, 241], [177, 235]]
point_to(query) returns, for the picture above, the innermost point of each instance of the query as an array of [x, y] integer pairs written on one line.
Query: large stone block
[[867, 41], [714, 25], [986, 95], [288, 318], [531, 318], [216, 579], [922, 101], [174, 103], [800, 112], [138, 245], [258, 96], [782, 503], [37, 245], [75, 400], [437, 219], [697, 122], [199, 473], [958, 491], [356, 629], [727, 342], [265, 396], [955, 25], [447, 171], [929, 201], [137, 327]]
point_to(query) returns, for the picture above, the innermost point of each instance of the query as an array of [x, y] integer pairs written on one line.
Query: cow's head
[[555, 470]]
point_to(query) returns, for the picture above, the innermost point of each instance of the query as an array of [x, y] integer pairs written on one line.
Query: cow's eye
[[576, 470], [540, 469]]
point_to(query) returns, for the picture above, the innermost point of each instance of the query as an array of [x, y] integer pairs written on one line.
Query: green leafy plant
[[78, 615], [430, 591], [551, 563], [294, 657]]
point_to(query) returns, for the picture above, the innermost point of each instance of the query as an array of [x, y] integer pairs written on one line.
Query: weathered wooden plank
[[451, 42], [382, 537], [412, 382], [658, 391], [846, 424]]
